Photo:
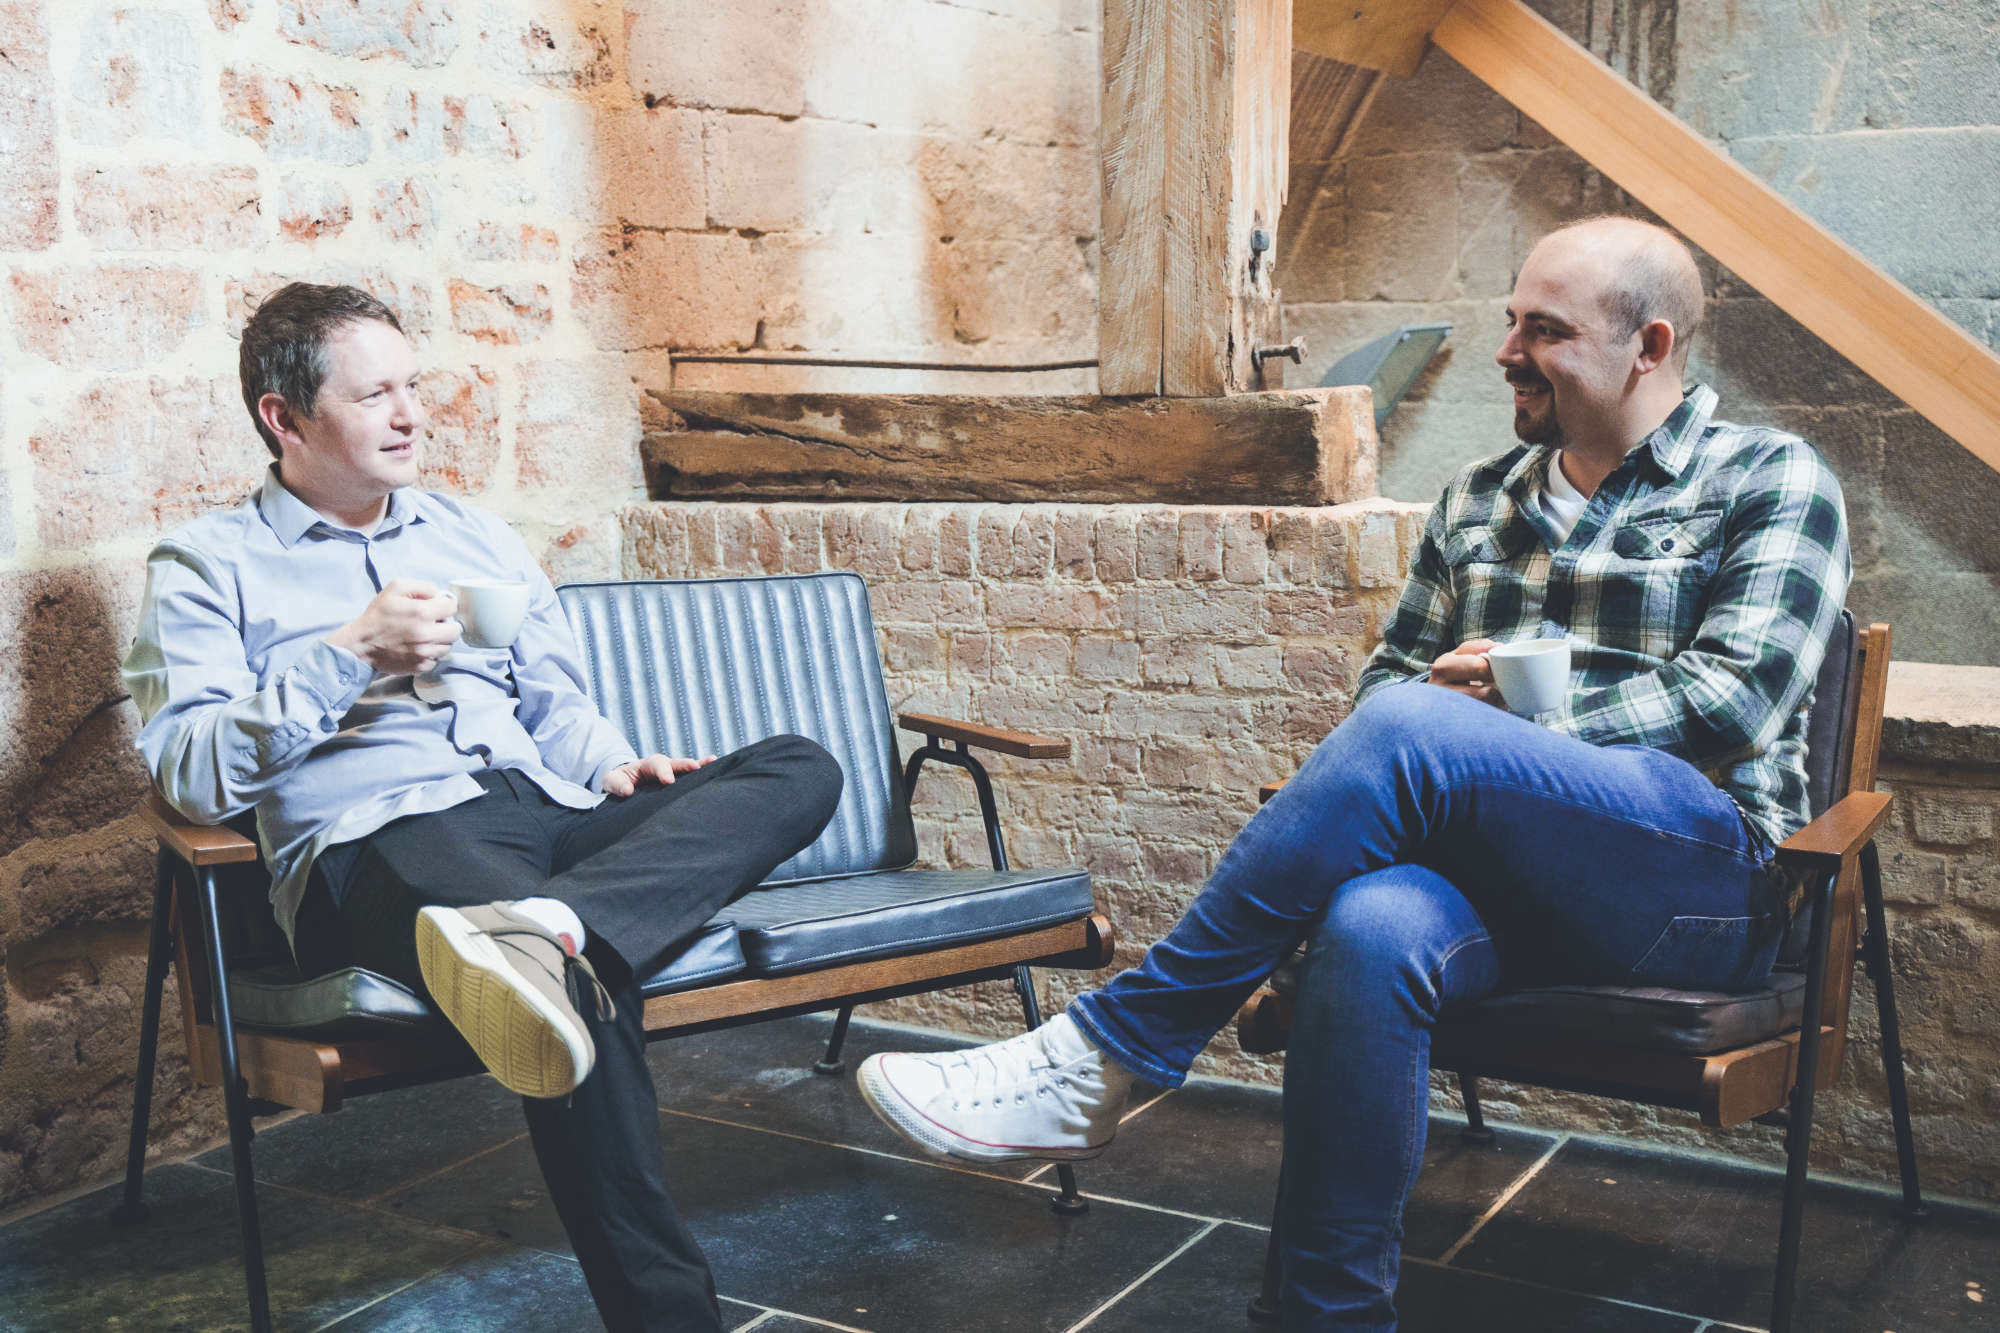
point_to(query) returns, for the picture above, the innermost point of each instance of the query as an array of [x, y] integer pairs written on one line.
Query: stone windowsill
[[1942, 714]]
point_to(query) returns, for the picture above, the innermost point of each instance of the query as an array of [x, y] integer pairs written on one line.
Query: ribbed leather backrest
[[706, 666], [1829, 751], [1830, 728]]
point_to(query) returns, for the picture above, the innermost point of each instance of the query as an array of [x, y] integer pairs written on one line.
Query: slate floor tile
[[1213, 1148], [382, 1141], [850, 1237], [505, 1290], [68, 1269], [1208, 1287], [762, 1075], [1700, 1235]]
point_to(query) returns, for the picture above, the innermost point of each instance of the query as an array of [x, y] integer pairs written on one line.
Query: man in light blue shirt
[[438, 812]]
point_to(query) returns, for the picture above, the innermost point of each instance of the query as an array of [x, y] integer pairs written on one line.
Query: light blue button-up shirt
[[247, 706]]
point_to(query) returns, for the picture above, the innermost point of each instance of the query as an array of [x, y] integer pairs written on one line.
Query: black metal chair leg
[[1069, 1203], [831, 1063], [1875, 954], [236, 1099], [132, 1210], [1798, 1138], [1475, 1132]]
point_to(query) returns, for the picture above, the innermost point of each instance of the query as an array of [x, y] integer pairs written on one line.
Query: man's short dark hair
[[284, 344]]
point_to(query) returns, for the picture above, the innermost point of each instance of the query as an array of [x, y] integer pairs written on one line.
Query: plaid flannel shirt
[[1697, 591]]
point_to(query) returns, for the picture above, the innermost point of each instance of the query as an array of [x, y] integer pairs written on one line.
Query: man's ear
[[1656, 344], [279, 419]]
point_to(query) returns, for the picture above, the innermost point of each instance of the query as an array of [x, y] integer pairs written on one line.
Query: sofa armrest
[[1843, 830], [196, 844], [1018, 743], [1270, 789]]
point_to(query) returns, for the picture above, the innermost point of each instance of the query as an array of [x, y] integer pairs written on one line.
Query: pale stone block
[[310, 207], [577, 425], [405, 210], [746, 56], [1178, 661], [1246, 549], [409, 297], [632, 166], [424, 33], [1201, 544], [485, 126], [865, 293], [545, 48], [293, 118], [1943, 821], [1927, 64], [1787, 66], [28, 159], [955, 544], [1114, 540], [509, 242], [461, 448], [651, 289], [1026, 605], [137, 71], [107, 317], [507, 313], [772, 174], [1216, 613], [169, 208], [1072, 545], [413, 124]]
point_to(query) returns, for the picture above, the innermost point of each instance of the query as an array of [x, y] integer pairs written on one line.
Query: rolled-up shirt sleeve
[[1420, 630], [215, 739]]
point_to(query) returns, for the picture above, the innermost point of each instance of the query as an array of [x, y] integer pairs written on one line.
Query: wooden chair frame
[[265, 1072], [1772, 1081]]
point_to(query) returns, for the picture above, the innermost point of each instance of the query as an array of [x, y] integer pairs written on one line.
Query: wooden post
[[1197, 100]]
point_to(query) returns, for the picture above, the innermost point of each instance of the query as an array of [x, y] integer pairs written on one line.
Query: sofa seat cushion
[[800, 927], [1653, 1018], [350, 1003]]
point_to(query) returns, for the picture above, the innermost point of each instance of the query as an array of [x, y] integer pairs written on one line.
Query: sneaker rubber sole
[[518, 1034], [898, 1114]]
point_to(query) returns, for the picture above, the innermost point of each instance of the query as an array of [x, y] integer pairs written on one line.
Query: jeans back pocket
[[1711, 952]]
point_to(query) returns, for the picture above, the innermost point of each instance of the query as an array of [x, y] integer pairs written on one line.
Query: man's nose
[[410, 409], [1509, 352]]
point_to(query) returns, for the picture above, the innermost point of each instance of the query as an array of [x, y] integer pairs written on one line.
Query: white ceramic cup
[[1533, 674], [490, 611]]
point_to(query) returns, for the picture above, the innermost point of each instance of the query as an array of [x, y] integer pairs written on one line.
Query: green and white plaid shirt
[[1697, 591]]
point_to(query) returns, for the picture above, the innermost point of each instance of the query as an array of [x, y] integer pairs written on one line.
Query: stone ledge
[[1942, 714]]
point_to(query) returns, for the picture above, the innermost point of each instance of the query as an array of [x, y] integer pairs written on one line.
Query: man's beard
[[1543, 429]]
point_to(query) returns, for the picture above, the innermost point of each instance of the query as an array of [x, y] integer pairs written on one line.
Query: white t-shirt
[[1562, 502]]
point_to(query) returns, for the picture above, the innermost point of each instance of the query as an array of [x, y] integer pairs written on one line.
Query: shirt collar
[[292, 518], [1673, 441]]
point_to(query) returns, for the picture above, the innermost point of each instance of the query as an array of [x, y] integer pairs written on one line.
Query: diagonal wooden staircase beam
[[1884, 328]]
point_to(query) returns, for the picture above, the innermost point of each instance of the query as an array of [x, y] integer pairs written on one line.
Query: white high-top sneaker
[[1047, 1093]]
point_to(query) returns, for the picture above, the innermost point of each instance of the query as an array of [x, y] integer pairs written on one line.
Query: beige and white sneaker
[[1047, 1093], [512, 990]]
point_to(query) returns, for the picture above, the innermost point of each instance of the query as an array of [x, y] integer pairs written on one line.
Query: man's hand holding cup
[[405, 630]]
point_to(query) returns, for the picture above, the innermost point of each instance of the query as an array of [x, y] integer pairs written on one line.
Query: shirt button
[[1667, 545]]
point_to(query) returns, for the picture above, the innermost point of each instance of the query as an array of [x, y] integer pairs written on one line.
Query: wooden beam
[[1295, 446], [1196, 105], [1389, 35], [1861, 312], [1131, 302], [1328, 101]]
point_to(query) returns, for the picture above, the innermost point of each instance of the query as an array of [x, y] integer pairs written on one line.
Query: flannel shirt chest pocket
[[1653, 583], [1498, 573]]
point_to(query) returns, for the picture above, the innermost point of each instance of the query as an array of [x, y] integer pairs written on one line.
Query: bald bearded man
[[1435, 844]]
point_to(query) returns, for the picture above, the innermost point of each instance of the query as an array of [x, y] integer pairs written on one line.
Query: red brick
[[993, 542], [642, 168], [1291, 546], [108, 317], [1377, 557], [1114, 540], [1246, 547], [919, 547], [169, 208], [955, 544], [506, 314], [1257, 666], [422, 32], [648, 289], [1105, 759], [948, 603], [912, 648], [484, 126], [1036, 653], [137, 71], [1287, 614], [1034, 543], [1072, 542], [1099, 657], [553, 52], [28, 165], [293, 118], [509, 242], [1201, 544], [1216, 614], [1022, 606], [804, 546], [138, 455], [578, 426], [1178, 661], [1330, 543], [406, 210], [462, 450], [1319, 668], [1158, 549], [310, 208], [972, 652]]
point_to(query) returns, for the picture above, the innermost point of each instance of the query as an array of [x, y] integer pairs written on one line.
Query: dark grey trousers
[[643, 873]]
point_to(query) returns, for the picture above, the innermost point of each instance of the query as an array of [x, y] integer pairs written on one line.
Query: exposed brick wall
[[552, 194]]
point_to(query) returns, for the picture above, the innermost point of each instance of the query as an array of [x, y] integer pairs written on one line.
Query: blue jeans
[[1431, 846]]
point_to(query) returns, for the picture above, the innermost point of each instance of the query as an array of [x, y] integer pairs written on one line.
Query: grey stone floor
[[422, 1210]]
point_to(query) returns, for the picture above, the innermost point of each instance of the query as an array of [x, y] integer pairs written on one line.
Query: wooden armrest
[[1270, 789], [196, 844], [1839, 833], [1018, 743]]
